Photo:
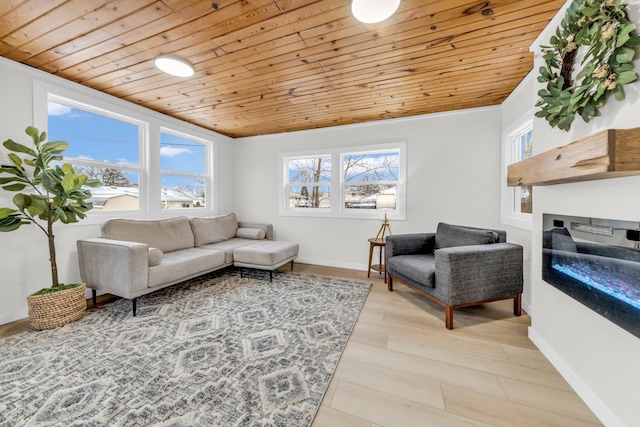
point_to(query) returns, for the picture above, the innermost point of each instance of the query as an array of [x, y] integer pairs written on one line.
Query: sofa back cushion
[[448, 235], [214, 229], [165, 234]]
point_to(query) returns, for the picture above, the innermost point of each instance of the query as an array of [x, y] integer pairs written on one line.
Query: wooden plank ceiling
[[269, 66]]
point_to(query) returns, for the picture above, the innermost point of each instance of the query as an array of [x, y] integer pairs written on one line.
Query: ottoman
[[265, 255]]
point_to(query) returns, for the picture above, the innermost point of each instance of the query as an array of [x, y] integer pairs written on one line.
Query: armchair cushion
[[420, 268], [448, 235]]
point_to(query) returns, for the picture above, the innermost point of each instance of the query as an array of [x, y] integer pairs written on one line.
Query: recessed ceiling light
[[174, 65], [373, 11]]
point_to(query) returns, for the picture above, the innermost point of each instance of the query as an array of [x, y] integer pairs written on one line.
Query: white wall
[[599, 359], [24, 257], [452, 176]]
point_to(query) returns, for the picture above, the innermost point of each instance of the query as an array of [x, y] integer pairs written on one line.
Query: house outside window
[[517, 202], [345, 182], [103, 146]]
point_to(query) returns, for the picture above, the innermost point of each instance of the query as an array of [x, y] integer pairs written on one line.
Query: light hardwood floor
[[401, 367]]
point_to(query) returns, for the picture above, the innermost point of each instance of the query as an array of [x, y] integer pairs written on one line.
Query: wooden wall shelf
[[608, 154]]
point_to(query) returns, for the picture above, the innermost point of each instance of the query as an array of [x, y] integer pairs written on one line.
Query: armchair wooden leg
[[389, 283], [517, 305], [448, 317]]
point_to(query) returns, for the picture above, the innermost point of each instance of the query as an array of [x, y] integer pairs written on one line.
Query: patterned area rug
[[218, 350]]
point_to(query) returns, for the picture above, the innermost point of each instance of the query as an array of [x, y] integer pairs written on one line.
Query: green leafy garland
[[603, 28]]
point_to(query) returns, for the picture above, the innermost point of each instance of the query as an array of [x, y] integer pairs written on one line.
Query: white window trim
[[507, 194], [337, 184]]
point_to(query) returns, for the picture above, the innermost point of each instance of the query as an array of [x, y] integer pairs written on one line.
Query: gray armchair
[[457, 266]]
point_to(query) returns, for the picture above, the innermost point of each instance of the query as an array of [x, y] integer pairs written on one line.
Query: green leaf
[[634, 41], [22, 201], [626, 77], [70, 183], [12, 222], [5, 212], [54, 147], [618, 93], [17, 161], [32, 132], [9, 144], [60, 214], [14, 187], [625, 54]]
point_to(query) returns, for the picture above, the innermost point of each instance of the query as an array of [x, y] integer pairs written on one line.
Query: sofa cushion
[[448, 235], [228, 246], [268, 253], [251, 233], [214, 229], [181, 265], [165, 234], [155, 256]]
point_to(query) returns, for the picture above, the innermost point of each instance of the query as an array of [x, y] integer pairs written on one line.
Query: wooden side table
[[373, 242]]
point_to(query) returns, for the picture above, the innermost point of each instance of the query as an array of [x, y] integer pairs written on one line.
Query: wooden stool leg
[[370, 256]]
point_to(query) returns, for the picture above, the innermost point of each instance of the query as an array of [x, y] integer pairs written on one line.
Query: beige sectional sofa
[[136, 257]]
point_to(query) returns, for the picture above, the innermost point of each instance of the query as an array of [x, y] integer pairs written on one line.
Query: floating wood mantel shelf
[[608, 154]]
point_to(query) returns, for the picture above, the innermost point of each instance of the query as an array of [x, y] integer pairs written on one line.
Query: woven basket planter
[[57, 309]]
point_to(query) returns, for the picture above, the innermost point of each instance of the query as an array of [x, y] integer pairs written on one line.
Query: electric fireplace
[[597, 262]]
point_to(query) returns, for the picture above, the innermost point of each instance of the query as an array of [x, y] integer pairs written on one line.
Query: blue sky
[[96, 137]]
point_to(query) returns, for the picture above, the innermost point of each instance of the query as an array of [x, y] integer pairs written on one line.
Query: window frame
[[338, 184], [508, 213]]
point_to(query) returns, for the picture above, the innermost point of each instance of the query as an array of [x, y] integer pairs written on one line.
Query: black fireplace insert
[[597, 262]]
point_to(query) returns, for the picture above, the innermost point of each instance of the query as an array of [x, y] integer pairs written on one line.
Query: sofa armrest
[[268, 228], [114, 266], [409, 244], [479, 272]]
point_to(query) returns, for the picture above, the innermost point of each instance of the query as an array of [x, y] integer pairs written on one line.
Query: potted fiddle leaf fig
[[47, 191]]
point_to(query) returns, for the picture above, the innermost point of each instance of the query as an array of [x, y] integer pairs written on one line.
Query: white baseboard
[[331, 263], [598, 407]]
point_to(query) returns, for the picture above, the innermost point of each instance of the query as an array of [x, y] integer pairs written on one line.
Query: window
[[102, 145], [370, 179], [183, 164], [308, 183], [148, 163], [350, 183], [517, 202]]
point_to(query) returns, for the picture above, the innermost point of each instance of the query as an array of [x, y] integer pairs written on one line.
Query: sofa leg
[[94, 297], [291, 265], [517, 305], [448, 317], [135, 306], [389, 283]]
